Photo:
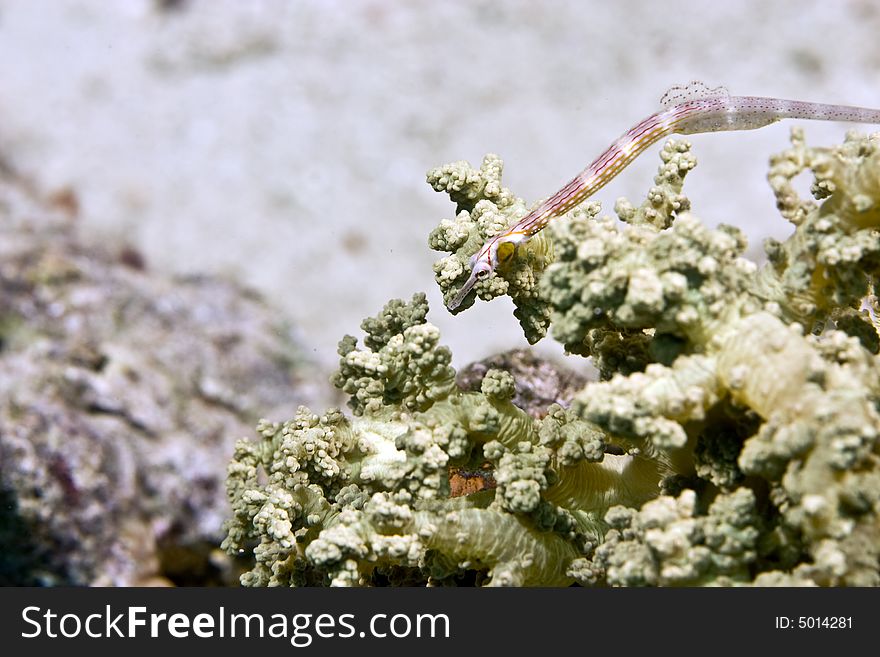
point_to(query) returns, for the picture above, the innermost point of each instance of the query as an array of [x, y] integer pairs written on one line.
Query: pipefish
[[686, 109]]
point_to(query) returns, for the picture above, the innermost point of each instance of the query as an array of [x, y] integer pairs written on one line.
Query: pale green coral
[[820, 272], [739, 335], [667, 543], [710, 363], [402, 363], [486, 209], [665, 199], [346, 501], [466, 185], [733, 439]]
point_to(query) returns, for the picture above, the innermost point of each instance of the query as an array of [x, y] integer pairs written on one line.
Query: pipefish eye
[[482, 273]]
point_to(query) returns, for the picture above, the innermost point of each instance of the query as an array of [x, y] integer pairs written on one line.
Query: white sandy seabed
[[285, 143]]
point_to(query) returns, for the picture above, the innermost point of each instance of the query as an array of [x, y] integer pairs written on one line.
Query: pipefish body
[[688, 109]]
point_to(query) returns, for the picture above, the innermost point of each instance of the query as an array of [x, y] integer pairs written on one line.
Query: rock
[[122, 392], [539, 382]]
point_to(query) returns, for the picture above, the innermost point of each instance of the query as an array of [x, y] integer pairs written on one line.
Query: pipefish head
[[482, 264]]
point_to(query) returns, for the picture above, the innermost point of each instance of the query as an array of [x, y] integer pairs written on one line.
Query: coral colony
[[732, 438]]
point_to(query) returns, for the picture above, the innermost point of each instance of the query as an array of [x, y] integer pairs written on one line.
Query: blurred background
[[285, 144]]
